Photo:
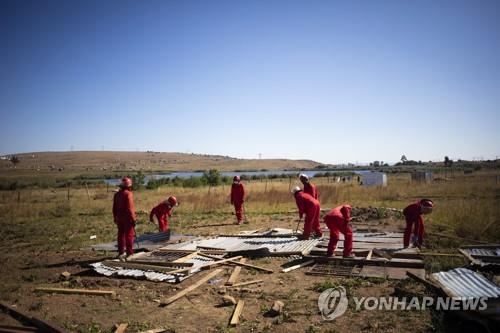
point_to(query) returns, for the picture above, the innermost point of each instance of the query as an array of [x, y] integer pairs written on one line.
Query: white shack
[[373, 178]]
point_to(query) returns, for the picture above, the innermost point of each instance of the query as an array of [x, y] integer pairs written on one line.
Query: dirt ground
[[137, 302]]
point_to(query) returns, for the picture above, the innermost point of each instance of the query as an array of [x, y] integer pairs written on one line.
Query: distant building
[[421, 176], [373, 178]]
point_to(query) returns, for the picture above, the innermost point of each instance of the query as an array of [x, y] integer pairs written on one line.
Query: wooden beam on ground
[[469, 256], [17, 329], [166, 270], [425, 282], [161, 249], [246, 283], [236, 272], [38, 323], [382, 254], [186, 258], [396, 262], [456, 238], [162, 263], [218, 262], [240, 264], [121, 328], [235, 319], [434, 254], [76, 291], [191, 287], [156, 330], [302, 264], [369, 255]]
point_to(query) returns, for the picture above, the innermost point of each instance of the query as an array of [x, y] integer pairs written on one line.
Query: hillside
[[107, 161]]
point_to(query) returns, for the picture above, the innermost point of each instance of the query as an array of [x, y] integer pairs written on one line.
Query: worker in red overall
[[337, 220], [238, 198], [309, 207], [125, 218], [413, 216], [309, 187], [162, 212]]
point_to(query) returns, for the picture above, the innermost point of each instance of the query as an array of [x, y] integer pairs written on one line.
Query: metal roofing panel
[[462, 282]]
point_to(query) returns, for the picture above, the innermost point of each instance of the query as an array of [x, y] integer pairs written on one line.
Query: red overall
[[413, 217], [124, 216], [237, 199], [311, 189], [162, 212], [310, 207], [337, 221]]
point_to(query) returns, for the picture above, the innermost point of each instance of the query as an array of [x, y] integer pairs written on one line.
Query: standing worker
[[413, 216], [125, 218], [238, 198], [162, 212], [337, 220], [309, 187], [310, 207]]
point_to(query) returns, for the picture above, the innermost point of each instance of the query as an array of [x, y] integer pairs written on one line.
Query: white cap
[[296, 189], [302, 175]]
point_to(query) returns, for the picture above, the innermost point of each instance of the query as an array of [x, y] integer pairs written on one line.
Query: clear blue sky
[[333, 81]]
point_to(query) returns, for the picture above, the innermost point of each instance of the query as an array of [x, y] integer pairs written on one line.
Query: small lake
[[184, 175]]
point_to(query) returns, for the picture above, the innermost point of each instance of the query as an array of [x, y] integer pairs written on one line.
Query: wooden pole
[[191, 287], [235, 319], [76, 291]]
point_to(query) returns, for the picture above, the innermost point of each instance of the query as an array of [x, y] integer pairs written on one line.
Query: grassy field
[[47, 227]]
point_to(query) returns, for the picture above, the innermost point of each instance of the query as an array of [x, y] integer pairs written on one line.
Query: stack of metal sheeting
[[462, 282]]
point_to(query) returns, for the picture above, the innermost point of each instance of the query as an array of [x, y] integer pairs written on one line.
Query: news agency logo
[[333, 303]]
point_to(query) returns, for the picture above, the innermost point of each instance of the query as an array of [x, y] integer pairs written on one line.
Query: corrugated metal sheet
[[233, 244], [197, 261], [484, 255], [145, 241], [462, 282]]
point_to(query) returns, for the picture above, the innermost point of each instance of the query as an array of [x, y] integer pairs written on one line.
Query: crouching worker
[[337, 220], [125, 218], [162, 212], [309, 207], [414, 220]]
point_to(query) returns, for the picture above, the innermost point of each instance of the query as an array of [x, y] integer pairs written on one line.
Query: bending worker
[[238, 198], [309, 207], [162, 212], [337, 220], [309, 187], [125, 218], [413, 216]]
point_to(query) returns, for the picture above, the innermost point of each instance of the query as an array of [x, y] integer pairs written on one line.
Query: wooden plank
[[191, 287], [186, 258], [382, 254], [369, 255], [161, 263], [217, 263], [457, 238], [488, 246], [40, 324], [156, 330], [17, 329], [409, 263], [236, 272], [302, 264], [246, 283], [235, 319], [121, 328], [166, 270], [241, 264], [425, 282], [161, 249], [468, 256], [76, 291]]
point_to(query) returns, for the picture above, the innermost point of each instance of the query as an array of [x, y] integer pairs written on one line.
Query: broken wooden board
[[247, 283], [76, 291], [121, 328], [218, 262], [191, 287], [235, 319], [236, 272], [394, 262], [239, 263], [294, 267]]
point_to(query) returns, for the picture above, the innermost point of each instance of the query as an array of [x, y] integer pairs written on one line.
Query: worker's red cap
[[427, 203], [127, 182]]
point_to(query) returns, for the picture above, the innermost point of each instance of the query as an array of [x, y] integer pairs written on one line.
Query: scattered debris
[[191, 287], [303, 264], [65, 276], [276, 309], [121, 328], [236, 272], [247, 283]]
